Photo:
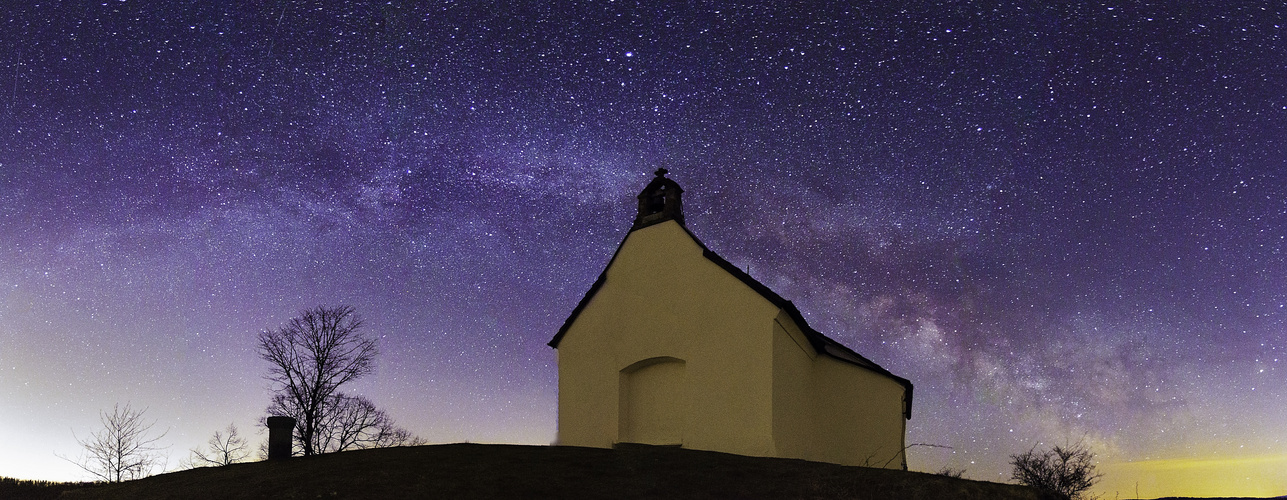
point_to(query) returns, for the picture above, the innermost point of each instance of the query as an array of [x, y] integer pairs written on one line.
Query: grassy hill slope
[[24, 489], [510, 471]]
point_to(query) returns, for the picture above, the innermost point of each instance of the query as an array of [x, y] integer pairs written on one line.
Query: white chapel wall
[[663, 298], [672, 349]]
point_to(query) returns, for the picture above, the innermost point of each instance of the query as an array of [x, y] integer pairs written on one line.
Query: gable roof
[[821, 343]]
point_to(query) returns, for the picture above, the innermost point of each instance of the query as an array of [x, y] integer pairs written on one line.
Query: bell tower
[[659, 202]]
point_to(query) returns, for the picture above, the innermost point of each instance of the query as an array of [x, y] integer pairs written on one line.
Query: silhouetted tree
[[950, 472], [123, 449], [222, 449], [354, 422], [1065, 471], [312, 357]]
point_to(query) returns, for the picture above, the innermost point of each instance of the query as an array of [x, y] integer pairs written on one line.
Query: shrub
[[950, 472], [1065, 471]]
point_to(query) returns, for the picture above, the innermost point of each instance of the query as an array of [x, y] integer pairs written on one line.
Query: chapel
[[673, 345]]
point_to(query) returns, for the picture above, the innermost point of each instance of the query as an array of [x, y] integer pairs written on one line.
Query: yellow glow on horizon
[[1254, 476]]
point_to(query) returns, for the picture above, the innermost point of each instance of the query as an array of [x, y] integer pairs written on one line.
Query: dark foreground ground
[[510, 471]]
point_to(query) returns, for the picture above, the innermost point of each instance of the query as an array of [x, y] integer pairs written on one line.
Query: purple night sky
[[1060, 223]]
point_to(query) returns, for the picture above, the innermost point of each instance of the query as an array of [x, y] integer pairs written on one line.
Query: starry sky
[[1062, 223]]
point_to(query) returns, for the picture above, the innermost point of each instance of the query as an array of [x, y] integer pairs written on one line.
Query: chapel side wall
[[663, 298], [859, 416], [794, 434], [587, 407]]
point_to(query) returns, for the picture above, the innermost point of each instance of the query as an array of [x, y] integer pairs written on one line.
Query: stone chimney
[[281, 432]]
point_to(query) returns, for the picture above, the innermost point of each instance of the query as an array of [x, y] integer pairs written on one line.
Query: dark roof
[[821, 343]]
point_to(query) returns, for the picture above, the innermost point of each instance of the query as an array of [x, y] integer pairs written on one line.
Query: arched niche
[[652, 404]]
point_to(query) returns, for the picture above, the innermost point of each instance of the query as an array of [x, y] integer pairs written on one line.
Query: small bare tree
[[222, 449], [312, 356], [947, 471], [123, 449], [354, 422], [1065, 471]]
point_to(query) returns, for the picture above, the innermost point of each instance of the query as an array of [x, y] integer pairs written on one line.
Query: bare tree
[[222, 449], [1065, 471], [947, 471], [354, 422], [123, 449], [350, 423], [312, 356]]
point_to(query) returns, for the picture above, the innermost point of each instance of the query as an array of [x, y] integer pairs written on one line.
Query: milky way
[[1061, 223]]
